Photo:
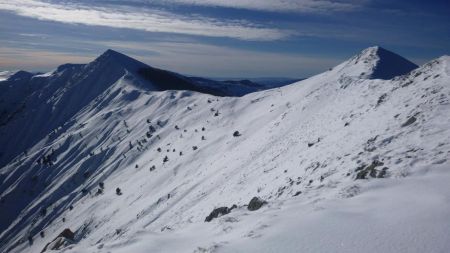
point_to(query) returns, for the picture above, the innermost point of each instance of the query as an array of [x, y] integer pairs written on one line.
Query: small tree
[[236, 134], [166, 159], [118, 191]]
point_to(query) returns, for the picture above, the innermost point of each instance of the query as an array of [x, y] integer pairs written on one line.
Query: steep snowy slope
[[345, 163], [31, 106]]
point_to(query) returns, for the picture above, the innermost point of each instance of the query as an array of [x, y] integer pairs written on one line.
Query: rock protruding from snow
[[219, 212], [256, 203], [64, 239]]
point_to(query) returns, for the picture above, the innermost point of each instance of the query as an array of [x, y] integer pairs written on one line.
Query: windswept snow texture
[[346, 162]]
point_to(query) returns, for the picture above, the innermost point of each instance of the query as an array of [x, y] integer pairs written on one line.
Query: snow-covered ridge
[[345, 161]]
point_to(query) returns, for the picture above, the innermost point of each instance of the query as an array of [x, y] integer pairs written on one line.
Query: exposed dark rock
[[409, 121], [64, 239], [297, 193], [219, 212], [255, 204], [365, 171], [381, 99]]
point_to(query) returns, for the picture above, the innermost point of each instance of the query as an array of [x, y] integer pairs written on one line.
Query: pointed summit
[[113, 57], [376, 63]]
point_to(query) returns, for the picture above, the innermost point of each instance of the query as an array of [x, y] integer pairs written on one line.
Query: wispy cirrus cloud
[[147, 20], [306, 6]]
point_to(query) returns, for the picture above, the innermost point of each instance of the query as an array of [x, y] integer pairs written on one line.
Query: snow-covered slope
[[375, 63], [346, 163]]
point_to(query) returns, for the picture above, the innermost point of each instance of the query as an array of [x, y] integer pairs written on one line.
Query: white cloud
[[146, 20], [308, 6]]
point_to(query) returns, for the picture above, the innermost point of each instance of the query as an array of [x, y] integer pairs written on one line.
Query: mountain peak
[[378, 63], [384, 64], [114, 56]]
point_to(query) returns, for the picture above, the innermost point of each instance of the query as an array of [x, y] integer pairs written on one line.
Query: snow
[[6, 74], [315, 136]]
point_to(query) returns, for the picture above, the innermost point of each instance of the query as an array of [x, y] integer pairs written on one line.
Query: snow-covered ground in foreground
[[346, 162]]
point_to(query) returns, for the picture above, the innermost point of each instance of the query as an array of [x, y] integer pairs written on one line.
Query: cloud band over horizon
[[149, 20]]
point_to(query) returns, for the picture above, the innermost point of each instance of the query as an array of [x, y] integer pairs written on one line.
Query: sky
[[220, 38]]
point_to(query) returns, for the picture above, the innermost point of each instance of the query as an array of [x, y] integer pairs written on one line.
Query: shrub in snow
[[158, 149], [152, 168], [42, 234], [176, 127], [118, 191], [203, 138], [255, 204], [101, 185], [166, 159], [194, 148], [236, 134]]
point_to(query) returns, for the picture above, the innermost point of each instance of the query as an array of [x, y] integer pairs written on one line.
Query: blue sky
[[220, 38]]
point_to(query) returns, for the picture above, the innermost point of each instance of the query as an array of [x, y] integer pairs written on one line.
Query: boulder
[[409, 121], [255, 204], [219, 212]]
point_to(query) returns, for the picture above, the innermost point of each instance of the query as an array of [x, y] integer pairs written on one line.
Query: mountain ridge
[[326, 148]]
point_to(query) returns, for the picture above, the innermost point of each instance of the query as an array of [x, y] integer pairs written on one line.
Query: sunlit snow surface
[[309, 137]]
